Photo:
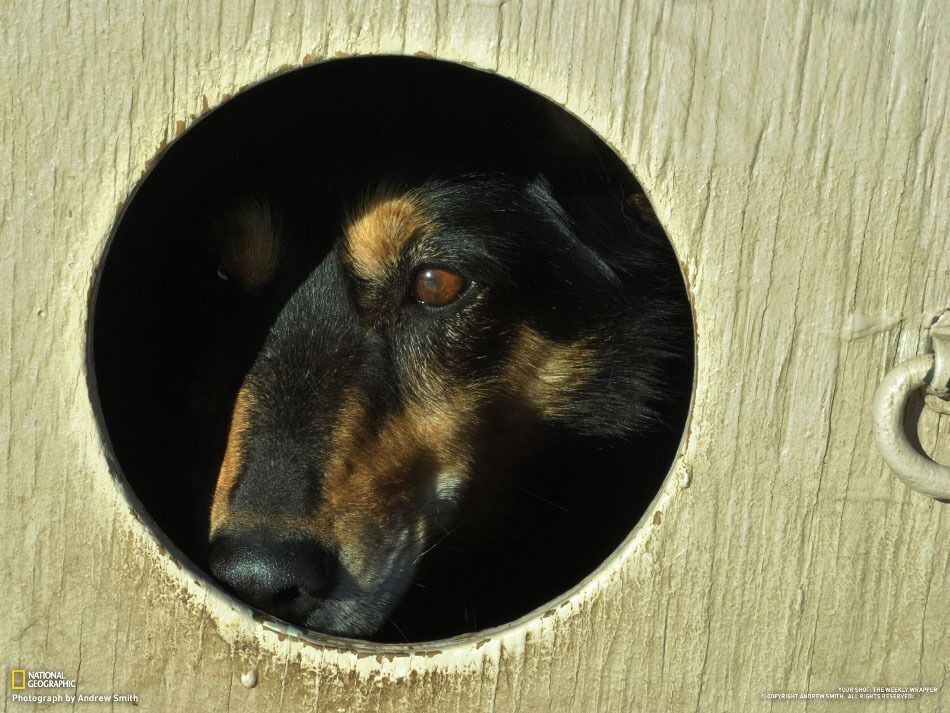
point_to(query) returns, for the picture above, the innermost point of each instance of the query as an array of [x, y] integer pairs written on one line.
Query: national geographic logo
[[22, 679], [40, 687]]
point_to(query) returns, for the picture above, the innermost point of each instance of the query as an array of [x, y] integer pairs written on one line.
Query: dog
[[415, 385]]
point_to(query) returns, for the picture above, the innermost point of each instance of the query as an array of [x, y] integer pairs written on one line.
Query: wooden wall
[[797, 153]]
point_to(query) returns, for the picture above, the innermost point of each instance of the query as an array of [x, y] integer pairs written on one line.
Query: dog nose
[[284, 577]]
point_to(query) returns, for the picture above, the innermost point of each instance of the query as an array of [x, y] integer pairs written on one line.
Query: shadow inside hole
[[172, 341]]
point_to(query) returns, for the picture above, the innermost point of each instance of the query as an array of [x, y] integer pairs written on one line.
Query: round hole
[[373, 465]]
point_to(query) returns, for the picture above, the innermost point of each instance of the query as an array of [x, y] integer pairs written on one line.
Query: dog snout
[[287, 578]]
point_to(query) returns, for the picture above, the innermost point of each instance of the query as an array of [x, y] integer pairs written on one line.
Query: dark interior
[[171, 343]]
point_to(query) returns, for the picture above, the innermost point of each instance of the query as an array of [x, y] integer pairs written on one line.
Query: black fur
[[579, 268], [552, 232]]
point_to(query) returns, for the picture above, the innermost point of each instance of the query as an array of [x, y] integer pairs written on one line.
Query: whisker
[[431, 547], [468, 613], [545, 500], [393, 622]]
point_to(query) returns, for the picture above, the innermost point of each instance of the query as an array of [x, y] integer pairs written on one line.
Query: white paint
[[797, 153]]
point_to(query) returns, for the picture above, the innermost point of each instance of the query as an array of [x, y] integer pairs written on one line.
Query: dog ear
[[541, 195], [636, 328]]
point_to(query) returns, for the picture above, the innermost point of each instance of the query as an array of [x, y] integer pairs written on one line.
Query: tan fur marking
[[233, 459], [377, 236], [547, 373], [243, 521], [372, 478], [376, 474], [248, 242]]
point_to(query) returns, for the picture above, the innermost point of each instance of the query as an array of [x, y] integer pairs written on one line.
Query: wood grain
[[798, 155]]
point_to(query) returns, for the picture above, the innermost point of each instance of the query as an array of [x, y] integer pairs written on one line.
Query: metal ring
[[890, 400]]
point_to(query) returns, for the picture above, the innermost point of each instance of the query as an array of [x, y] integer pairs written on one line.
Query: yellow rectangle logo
[[13, 674]]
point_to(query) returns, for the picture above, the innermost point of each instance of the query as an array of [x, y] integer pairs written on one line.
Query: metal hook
[[890, 400]]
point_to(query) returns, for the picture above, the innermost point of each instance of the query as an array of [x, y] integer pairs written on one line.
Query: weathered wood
[[796, 152]]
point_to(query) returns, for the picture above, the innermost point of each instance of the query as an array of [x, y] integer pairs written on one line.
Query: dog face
[[410, 373]]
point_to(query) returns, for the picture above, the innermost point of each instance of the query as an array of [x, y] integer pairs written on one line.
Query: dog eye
[[222, 273], [436, 286]]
